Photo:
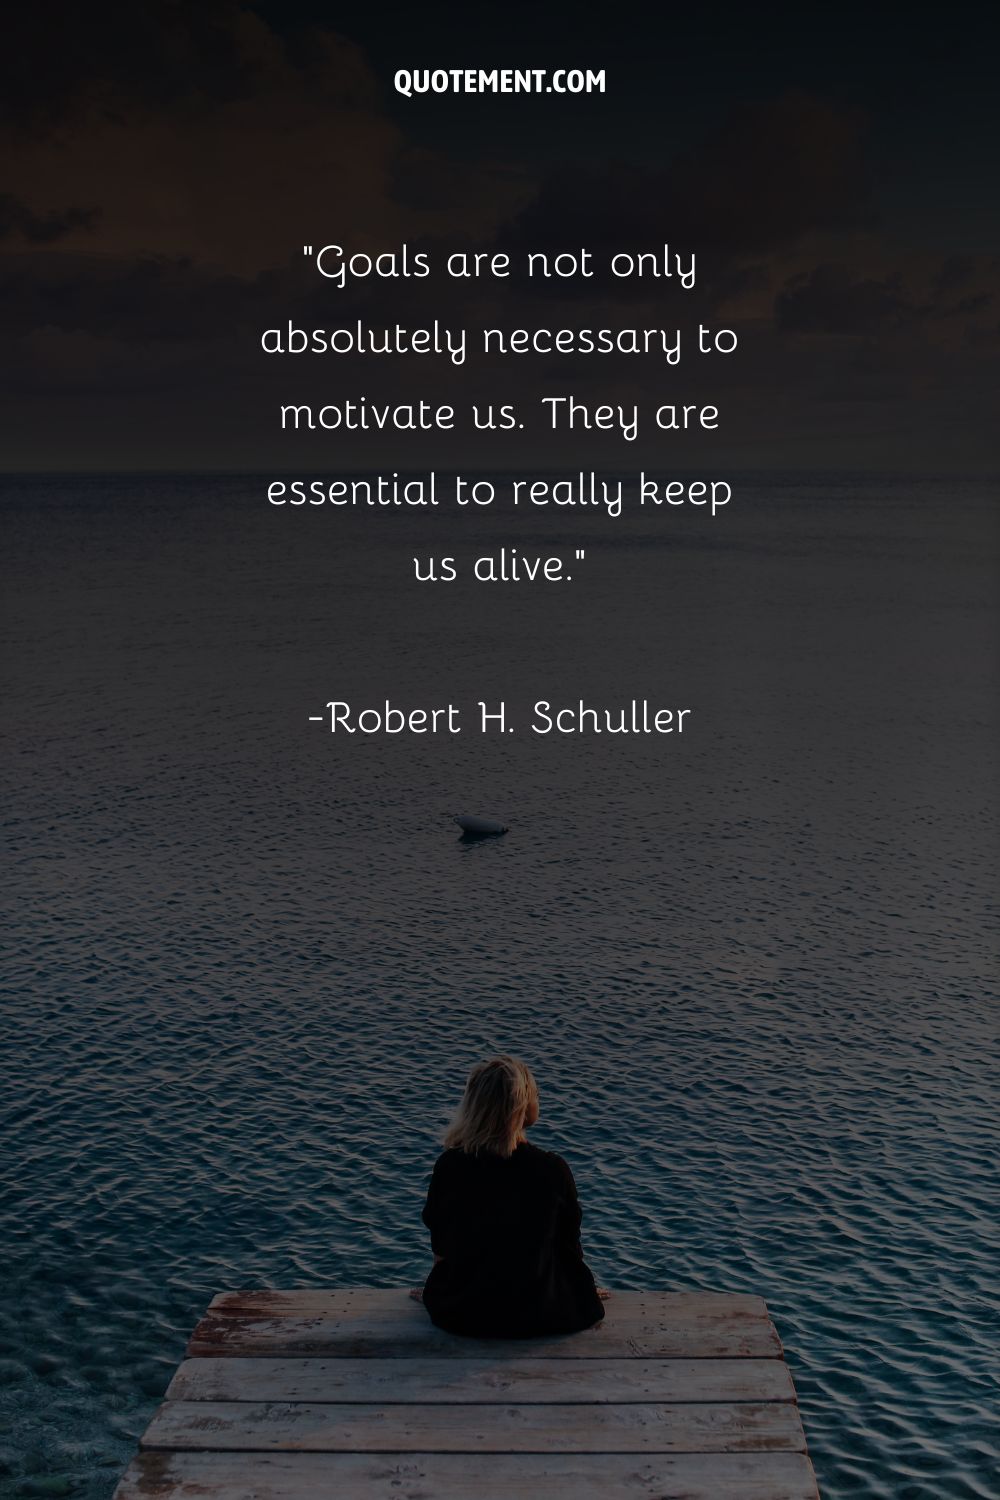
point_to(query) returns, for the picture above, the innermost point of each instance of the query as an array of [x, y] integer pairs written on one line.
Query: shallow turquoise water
[[246, 971]]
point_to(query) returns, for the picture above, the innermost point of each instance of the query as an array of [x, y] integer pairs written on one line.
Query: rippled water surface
[[247, 966]]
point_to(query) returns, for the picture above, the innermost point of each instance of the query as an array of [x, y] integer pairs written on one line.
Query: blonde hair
[[491, 1116]]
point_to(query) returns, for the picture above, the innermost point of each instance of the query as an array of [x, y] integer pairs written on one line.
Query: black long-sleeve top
[[508, 1233]]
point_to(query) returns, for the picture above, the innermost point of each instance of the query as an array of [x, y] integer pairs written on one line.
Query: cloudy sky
[[163, 164]]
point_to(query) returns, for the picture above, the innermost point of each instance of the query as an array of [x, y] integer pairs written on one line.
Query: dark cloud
[[163, 163], [134, 301], [18, 221], [955, 272], [831, 299], [202, 131], [61, 59], [422, 180], [774, 172], [834, 299]]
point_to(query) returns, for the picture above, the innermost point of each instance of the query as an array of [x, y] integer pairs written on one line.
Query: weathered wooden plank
[[444, 1476], [283, 1337], [390, 1302], [651, 1325], [639, 1427], [485, 1380]]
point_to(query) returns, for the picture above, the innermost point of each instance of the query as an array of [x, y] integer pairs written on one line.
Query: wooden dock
[[354, 1395]]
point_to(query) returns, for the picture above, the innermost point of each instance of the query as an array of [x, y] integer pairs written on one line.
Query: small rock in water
[[479, 827]]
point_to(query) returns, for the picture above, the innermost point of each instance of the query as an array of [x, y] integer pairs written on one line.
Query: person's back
[[505, 1221]]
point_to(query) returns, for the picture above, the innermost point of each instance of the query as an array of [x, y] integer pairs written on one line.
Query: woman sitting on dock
[[504, 1219]]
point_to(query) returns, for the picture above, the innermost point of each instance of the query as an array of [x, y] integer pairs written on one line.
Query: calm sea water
[[246, 967]]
